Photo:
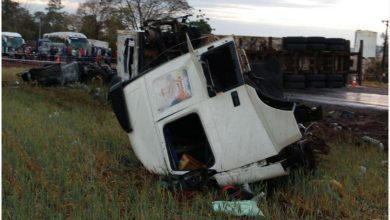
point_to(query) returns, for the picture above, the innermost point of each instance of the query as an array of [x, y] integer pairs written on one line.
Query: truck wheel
[[294, 40], [335, 41], [335, 84], [294, 78], [315, 84], [315, 77], [317, 46], [335, 77], [294, 85], [295, 47], [317, 40]]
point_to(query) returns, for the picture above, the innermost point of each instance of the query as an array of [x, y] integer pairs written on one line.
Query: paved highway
[[362, 97]]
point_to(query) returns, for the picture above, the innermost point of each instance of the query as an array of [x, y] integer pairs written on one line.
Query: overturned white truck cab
[[197, 110]]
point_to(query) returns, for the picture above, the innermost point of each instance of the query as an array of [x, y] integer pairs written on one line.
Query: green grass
[[62, 158]]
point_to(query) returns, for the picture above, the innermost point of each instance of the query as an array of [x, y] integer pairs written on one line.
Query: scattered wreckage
[[61, 74], [205, 113]]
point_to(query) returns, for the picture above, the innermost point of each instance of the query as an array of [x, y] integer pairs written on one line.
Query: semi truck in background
[[73, 40], [12, 44], [98, 47]]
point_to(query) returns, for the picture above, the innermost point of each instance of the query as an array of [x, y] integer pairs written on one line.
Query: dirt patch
[[358, 122]]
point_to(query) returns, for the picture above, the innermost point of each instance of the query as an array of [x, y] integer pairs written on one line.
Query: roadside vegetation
[[65, 156]]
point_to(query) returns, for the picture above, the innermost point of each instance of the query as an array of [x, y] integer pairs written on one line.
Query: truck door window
[[221, 68]]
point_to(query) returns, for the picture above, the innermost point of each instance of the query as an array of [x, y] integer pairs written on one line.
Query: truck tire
[[335, 84], [315, 77], [294, 85], [335, 41], [316, 46], [294, 78], [315, 84], [320, 40], [335, 77], [295, 47], [294, 40], [335, 47]]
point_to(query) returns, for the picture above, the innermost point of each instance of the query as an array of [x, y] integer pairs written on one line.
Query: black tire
[[335, 47], [316, 46], [295, 47], [294, 78], [320, 40], [335, 41], [335, 77], [335, 84], [347, 46], [315, 77], [294, 85], [294, 40], [315, 84]]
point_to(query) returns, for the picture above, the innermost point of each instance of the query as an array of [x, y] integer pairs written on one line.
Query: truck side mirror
[[118, 104]]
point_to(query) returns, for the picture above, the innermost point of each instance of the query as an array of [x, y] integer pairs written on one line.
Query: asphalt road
[[361, 97]]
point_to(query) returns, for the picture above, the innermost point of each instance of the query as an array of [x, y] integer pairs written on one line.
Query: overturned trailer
[[306, 62], [189, 109]]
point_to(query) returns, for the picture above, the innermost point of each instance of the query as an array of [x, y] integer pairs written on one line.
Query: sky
[[280, 18]]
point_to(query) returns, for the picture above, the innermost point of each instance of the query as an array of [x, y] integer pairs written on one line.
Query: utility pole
[[385, 47]]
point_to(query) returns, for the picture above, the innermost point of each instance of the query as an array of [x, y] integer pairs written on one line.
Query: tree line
[[97, 19]]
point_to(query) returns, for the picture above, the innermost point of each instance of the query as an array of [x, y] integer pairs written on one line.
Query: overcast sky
[[278, 18]]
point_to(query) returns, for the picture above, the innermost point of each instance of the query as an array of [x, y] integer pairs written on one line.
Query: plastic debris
[[236, 193], [259, 197], [337, 187], [238, 208], [363, 169], [374, 142], [347, 115]]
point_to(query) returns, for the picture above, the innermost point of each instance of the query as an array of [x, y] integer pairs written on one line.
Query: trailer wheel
[[294, 78], [335, 41], [294, 40], [315, 84], [317, 46], [335, 84], [295, 47], [335, 77], [336, 47], [315, 77], [294, 85], [316, 40]]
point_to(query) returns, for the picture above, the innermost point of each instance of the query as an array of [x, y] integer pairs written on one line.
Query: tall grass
[[65, 157]]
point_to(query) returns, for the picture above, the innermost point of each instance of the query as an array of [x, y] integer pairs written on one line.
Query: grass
[[66, 157], [375, 84]]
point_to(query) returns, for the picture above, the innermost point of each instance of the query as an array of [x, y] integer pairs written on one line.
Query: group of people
[[61, 54]]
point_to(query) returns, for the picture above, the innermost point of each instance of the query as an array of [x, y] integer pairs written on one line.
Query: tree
[[18, 19], [136, 12], [54, 6], [54, 19], [203, 26], [94, 14]]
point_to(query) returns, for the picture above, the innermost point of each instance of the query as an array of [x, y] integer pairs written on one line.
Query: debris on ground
[[61, 74], [238, 208], [369, 127], [374, 142], [337, 187], [236, 193]]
